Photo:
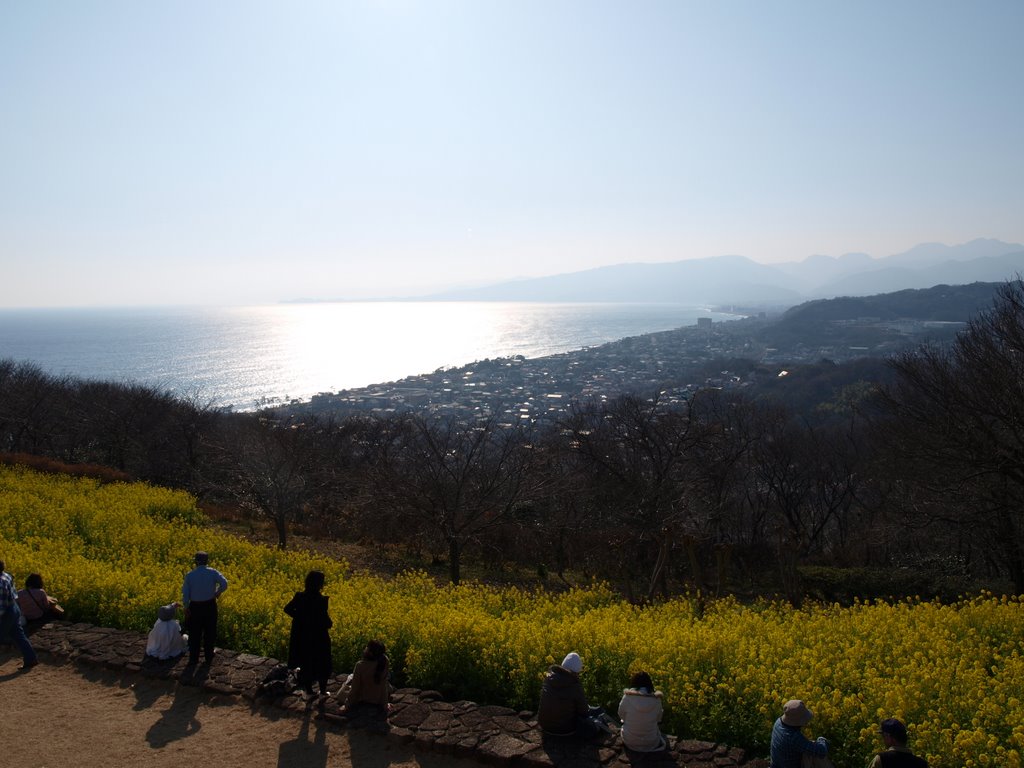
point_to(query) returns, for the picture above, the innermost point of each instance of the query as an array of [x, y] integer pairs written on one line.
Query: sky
[[246, 152]]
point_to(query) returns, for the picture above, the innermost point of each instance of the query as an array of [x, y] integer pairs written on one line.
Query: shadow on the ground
[[179, 720], [303, 752], [570, 747]]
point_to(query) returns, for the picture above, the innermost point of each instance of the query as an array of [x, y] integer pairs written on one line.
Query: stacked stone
[[493, 735]]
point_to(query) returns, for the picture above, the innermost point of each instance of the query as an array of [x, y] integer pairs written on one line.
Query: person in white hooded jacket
[[166, 640], [640, 711]]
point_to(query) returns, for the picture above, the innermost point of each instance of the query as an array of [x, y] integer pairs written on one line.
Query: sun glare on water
[[338, 346]]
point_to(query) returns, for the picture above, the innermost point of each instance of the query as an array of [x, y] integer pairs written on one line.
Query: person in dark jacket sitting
[[563, 708]]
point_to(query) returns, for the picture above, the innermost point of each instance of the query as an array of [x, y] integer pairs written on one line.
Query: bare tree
[[724, 520], [637, 456], [266, 465], [454, 480], [33, 407], [958, 429]]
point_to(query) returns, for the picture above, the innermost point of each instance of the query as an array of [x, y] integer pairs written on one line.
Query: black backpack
[[280, 681]]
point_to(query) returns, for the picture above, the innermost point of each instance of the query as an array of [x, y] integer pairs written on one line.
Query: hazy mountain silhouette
[[985, 269], [717, 280], [819, 270], [724, 280], [931, 254]]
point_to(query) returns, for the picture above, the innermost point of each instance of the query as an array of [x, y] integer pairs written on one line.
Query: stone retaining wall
[[494, 735]]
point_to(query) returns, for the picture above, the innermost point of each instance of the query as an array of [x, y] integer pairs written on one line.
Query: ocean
[[246, 357]]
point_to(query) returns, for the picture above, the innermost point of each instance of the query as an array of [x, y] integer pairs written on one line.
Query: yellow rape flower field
[[955, 673]]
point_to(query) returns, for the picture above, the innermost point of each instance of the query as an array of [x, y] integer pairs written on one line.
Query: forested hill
[[948, 303], [883, 323]]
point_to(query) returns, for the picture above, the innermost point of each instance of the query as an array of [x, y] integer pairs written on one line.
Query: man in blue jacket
[[203, 585], [788, 742]]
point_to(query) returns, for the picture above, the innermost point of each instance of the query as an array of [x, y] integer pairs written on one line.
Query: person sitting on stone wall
[[369, 682], [36, 606], [563, 708], [166, 639], [640, 711]]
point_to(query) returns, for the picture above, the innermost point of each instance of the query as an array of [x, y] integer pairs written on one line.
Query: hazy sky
[[244, 152]]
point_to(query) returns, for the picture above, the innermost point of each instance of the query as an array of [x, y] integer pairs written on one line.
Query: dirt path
[[59, 715]]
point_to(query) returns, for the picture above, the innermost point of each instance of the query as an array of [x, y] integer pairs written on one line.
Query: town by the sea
[[245, 357]]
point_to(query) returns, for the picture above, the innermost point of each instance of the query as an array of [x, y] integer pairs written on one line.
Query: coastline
[[251, 357]]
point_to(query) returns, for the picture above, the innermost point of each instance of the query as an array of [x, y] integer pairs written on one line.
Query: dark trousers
[[305, 681], [202, 629], [11, 623]]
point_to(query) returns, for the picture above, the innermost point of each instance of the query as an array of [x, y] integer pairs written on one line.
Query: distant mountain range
[[737, 280]]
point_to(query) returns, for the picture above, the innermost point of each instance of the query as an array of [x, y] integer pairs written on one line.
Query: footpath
[[492, 735]]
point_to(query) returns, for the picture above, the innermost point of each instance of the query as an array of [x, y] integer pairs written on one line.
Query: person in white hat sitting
[[789, 744], [563, 708]]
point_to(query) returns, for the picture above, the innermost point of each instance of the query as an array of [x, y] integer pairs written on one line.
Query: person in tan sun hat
[[789, 744]]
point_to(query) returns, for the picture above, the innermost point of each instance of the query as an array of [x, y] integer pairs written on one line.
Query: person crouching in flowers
[[640, 711], [166, 640], [789, 744]]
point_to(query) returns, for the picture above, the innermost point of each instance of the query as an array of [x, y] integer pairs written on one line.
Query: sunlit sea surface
[[244, 356]]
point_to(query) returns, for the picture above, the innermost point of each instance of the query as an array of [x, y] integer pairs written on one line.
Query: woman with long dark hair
[[309, 648], [640, 710], [370, 679], [37, 606]]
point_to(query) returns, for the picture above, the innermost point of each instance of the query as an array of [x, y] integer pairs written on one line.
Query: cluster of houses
[[670, 363]]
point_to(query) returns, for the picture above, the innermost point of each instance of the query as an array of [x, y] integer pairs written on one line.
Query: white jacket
[[640, 713], [166, 640]]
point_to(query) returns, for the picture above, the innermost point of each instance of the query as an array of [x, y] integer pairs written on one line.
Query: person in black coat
[[309, 648]]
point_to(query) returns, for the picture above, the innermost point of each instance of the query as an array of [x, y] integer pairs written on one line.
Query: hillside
[[898, 319], [941, 303], [112, 552]]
